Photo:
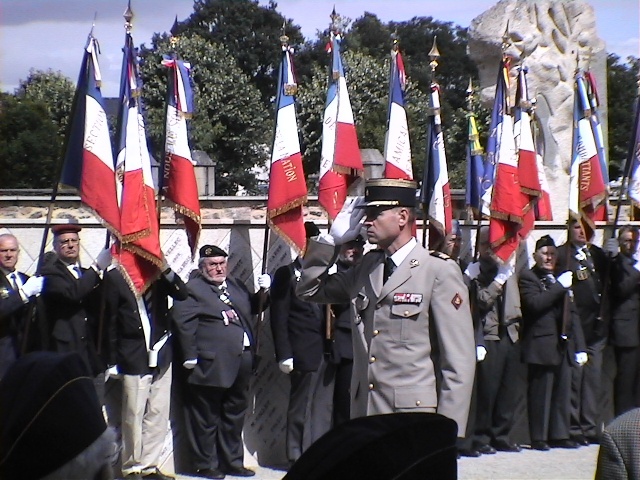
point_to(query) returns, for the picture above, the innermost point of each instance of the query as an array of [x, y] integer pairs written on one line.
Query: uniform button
[[417, 403], [376, 332], [372, 359], [371, 386], [378, 306], [406, 313]]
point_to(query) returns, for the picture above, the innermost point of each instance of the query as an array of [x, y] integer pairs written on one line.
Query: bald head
[[9, 251]]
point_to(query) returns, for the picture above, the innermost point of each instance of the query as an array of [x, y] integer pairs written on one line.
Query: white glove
[[504, 272], [103, 260], [190, 364], [481, 353], [348, 222], [580, 255], [566, 279], [473, 270], [581, 358], [113, 372], [33, 286], [264, 281], [611, 247], [286, 366]]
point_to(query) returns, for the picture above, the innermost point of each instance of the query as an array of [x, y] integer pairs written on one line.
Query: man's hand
[[566, 279], [504, 272], [611, 246], [286, 366], [264, 281], [103, 260], [348, 223], [33, 286], [581, 358], [190, 364], [473, 270], [113, 372], [481, 353]]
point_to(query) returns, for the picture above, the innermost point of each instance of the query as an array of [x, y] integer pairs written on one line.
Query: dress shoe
[[209, 473], [468, 452], [133, 476], [486, 449], [157, 475], [580, 439], [592, 440], [239, 472], [563, 443], [540, 445], [504, 446]]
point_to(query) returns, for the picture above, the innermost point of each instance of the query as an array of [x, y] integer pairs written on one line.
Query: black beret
[[61, 228], [545, 241], [389, 192], [49, 413], [311, 229], [212, 251]]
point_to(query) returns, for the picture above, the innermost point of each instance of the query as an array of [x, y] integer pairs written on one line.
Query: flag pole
[[479, 194]]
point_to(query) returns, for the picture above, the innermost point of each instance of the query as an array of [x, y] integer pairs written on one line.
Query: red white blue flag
[[88, 163], [632, 169], [139, 252], [340, 161], [397, 148], [287, 184], [178, 179]]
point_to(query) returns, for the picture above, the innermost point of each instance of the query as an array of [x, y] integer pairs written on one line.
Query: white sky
[[45, 34]]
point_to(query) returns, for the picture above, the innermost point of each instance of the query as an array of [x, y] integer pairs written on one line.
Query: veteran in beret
[[410, 303], [216, 336]]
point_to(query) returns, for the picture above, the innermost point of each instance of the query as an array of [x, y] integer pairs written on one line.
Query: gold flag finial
[[434, 55], [128, 16]]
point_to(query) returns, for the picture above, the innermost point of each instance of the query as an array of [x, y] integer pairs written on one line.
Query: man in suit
[[619, 455], [16, 291], [72, 303], [298, 329], [625, 320], [140, 355], [406, 298], [547, 353], [589, 266], [216, 335]]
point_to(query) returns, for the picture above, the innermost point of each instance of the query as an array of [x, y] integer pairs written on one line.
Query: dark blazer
[[203, 333], [72, 309], [619, 455], [625, 302], [542, 307], [588, 292], [297, 325], [128, 346], [12, 308]]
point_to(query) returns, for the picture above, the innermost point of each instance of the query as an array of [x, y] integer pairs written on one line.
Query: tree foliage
[[229, 123]]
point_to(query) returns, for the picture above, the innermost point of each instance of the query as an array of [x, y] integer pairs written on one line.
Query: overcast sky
[[45, 34]]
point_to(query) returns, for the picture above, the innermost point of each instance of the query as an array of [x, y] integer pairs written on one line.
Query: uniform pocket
[[415, 397]]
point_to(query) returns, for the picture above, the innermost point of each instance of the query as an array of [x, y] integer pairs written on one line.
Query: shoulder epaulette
[[440, 255]]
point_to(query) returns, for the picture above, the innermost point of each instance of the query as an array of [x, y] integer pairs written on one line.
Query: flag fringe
[[133, 237], [131, 284], [286, 237], [143, 253], [274, 212]]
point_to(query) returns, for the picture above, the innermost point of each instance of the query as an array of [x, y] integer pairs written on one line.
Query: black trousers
[[214, 421], [549, 401], [342, 391], [586, 384], [625, 387]]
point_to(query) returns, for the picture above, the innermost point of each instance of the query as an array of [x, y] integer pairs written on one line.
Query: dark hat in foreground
[[212, 251], [61, 228], [389, 192], [398, 446], [49, 413], [545, 241], [311, 229], [359, 240]]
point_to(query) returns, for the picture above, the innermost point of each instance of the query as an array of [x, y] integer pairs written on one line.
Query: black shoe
[[209, 473], [133, 476], [239, 472], [580, 439], [157, 475], [563, 443], [486, 449], [540, 445], [504, 446], [468, 452], [592, 441]]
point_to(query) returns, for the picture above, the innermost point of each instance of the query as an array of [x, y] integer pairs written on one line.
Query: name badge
[[414, 298]]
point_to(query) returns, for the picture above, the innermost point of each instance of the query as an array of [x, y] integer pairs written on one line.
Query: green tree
[[29, 143], [230, 123]]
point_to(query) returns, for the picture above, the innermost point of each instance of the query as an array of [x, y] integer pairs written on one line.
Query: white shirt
[[403, 252]]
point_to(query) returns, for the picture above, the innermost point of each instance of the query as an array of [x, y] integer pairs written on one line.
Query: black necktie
[[389, 267]]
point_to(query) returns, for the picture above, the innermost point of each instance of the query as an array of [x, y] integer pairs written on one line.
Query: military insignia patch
[[456, 301], [4, 293], [440, 255], [415, 298], [414, 262]]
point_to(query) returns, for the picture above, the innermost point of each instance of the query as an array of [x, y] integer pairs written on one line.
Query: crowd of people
[[398, 329]]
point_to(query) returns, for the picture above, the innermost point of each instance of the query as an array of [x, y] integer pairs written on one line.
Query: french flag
[[340, 161], [178, 178], [397, 148], [287, 184], [88, 164], [632, 168]]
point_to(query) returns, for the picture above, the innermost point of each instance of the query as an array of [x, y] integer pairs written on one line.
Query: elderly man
[[548, 354], [16, 290], [217, 342], [410, 304]]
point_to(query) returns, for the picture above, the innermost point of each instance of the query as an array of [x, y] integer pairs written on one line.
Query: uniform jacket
[[625, 302], [588, 283], [413, 339], [342, 341], [542, 309], [204, 334], [12, 308], [297, 325], [72, 310], [128, 344], [619, 455]]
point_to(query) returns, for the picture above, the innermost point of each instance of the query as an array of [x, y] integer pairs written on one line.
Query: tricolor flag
[[594, 102], [287, 185], [178, 178], [139, 252], [507, 201], [632, 169], [340, 161], [587, 189], [397, 148], [475, 166], [435, 194], [88, 163]]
